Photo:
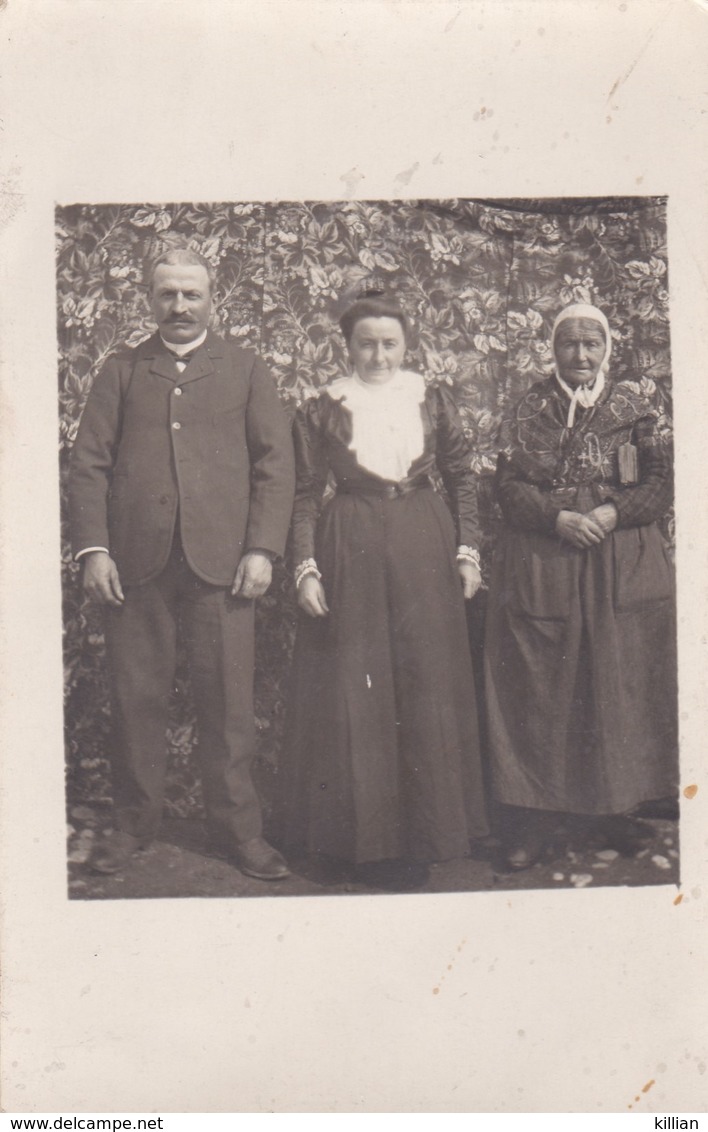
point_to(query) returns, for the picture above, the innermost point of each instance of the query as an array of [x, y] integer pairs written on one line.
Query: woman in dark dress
[[383, 746], [580, 663]]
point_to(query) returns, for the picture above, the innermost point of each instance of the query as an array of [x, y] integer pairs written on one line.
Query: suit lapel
[[159, 360], [164, 365], [204, 362], [197, 367]]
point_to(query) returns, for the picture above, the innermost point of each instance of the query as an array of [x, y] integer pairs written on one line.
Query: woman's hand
[[311, 596], [471, 579], [581, 531], [606, 515]]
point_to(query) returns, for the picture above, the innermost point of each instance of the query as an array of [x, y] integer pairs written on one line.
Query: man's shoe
[[115, 853], [256, 858]]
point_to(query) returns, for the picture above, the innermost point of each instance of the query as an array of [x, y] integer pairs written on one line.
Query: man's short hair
[[186, 256]]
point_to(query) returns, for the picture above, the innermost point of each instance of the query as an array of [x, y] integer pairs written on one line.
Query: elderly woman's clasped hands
[[587, 530]]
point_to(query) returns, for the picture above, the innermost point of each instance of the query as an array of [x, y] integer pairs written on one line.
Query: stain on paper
[[436, 990], [645, 1089], [351, 180], [623, 78], [404, 178], [449, 24]]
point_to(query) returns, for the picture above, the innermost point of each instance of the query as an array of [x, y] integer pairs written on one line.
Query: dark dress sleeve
[[523, 504], [453, 458], [651, 498], [311, 472]]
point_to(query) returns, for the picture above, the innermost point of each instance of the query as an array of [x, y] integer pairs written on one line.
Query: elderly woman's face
[[376, 348], [579, 346]]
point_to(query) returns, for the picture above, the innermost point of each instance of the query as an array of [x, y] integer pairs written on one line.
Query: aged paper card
[[580, 1001]]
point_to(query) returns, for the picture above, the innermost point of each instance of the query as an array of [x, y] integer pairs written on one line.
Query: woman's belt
[[384, 491]]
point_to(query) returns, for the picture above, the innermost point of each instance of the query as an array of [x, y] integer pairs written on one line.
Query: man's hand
[[311, 596], [582, 531], [470, 577], [606, 515], [253, 576], [101, 581]]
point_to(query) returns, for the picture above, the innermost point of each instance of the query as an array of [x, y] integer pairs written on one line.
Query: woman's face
[[579, 347], [376, 348]]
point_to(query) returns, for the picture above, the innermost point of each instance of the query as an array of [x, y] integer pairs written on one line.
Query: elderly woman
[[580, 651], [384, 754]]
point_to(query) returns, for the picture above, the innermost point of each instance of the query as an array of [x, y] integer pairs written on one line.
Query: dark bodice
[[322, 434]]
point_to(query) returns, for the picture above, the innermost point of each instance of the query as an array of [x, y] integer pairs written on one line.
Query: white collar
[[375, 387], [405, 384], [184, 347]]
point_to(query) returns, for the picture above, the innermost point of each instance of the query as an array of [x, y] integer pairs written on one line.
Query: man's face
[[580, 350], [180, 301]]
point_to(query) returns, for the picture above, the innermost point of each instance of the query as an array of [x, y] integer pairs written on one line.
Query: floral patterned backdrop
[[482, 282]]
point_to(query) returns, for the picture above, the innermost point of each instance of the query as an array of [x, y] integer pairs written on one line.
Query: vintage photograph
[[353, 497], [368, 547]]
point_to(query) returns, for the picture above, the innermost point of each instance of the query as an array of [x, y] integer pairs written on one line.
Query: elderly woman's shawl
[[539, 450]]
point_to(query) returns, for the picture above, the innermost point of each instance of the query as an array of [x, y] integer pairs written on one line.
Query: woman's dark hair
[[372, 304]]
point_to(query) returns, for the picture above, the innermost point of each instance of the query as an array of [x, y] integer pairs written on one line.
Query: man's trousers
[[141, 641]]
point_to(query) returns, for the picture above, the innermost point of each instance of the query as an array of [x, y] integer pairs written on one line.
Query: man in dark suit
[[180, 493]]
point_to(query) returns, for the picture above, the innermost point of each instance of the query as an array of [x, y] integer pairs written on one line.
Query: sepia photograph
[[417, 454]]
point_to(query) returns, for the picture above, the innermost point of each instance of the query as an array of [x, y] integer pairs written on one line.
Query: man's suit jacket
[[209, 448]]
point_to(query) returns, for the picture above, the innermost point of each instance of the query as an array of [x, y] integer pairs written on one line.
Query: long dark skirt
[[382, 751], [580, 673]]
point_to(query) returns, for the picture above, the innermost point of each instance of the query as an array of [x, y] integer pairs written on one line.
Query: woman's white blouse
[[387, 421]]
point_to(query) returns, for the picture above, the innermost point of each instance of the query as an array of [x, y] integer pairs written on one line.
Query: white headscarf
[[583, 395]]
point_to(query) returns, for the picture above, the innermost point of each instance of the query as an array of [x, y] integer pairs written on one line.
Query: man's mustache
[[180, 318]]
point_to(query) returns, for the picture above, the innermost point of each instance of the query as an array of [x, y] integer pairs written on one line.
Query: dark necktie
[[184, 358]]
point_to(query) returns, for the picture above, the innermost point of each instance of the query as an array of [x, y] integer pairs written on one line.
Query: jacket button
[[178, 392], [176, 425]]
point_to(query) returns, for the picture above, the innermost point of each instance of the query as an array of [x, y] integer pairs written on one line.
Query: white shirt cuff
[[89, 550], [469, 554]]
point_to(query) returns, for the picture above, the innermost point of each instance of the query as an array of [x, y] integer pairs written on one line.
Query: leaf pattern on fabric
[[481, 282]]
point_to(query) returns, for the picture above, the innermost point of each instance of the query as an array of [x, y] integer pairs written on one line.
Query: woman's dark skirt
[[382, 751]]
